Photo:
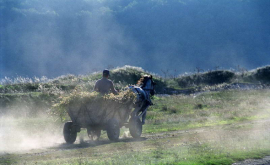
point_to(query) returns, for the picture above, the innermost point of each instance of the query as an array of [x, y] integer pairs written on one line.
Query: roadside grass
[[172, 113], [177, 112], [220, 147]]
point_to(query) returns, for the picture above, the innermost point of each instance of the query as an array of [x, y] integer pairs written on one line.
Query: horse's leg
[[144, 111], [136, 111], [144, 117]]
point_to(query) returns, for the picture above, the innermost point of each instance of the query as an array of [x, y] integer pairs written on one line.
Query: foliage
[[263, 74], [207, 78], [29, 93], [129, 75]]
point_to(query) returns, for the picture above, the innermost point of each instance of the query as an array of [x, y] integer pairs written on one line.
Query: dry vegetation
[[79, 97], [208, 128], [212, 127]]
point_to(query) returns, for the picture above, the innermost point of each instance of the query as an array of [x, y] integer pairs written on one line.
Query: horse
[[145, 89]]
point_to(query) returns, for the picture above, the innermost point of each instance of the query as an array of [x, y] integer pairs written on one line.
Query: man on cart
[[105, 85]]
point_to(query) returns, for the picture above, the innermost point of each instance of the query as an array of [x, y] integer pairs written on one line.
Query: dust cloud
[[78, 40], [52, 38], [19, 134]]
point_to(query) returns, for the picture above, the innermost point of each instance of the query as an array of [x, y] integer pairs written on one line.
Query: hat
[[106, 72]]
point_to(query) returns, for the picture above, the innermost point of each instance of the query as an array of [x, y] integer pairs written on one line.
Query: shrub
[[208, 78], [263, 74], [217, 77]]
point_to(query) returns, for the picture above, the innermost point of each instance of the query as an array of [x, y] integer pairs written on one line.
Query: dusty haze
[[56, 37]]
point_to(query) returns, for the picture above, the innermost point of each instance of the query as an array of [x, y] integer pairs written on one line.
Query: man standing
[[105, 85]]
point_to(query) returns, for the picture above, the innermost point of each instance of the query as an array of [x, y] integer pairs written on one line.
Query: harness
[[151, 91]]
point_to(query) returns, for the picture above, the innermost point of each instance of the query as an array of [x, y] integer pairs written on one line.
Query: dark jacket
[[105, 86]]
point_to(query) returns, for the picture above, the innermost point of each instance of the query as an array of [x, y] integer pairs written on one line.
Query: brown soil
[[87, 148]]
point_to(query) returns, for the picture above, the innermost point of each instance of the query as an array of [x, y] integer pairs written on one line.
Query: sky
[[58, 37]]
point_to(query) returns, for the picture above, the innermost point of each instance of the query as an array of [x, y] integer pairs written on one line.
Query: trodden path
[[216, 135]]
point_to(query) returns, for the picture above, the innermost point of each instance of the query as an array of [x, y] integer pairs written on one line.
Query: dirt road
[[218, 135], [264, 161]]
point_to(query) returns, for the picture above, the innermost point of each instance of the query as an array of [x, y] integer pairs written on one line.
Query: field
[[219, 127]]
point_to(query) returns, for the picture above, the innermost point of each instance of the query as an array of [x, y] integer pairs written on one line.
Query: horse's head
[[147, 83]]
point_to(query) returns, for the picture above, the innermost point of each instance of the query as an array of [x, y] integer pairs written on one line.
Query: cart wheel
[[113, 129], [135, 127], [69, 134], [94, 134]]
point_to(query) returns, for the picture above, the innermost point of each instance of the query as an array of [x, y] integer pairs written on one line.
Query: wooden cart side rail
[[106, 114], [85, 115]]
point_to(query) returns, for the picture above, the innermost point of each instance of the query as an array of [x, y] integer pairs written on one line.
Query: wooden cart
[[107, 115]]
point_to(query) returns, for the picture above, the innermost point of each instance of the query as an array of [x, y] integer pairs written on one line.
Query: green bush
[[263, 74], [207, 78], [217, 77]]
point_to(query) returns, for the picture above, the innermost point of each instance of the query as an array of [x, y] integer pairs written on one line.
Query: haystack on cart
[[97, 116]]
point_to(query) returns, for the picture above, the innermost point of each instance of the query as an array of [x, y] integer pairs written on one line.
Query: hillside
[[209, 60], [38, 95], [129, 75], [220, 117]]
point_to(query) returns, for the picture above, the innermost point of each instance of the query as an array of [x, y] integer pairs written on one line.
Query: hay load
[[91, 108]]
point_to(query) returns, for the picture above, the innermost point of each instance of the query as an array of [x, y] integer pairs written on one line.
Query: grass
[[224, 111], [229, 136], [179, 112], [127, 75], [221, 148]]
